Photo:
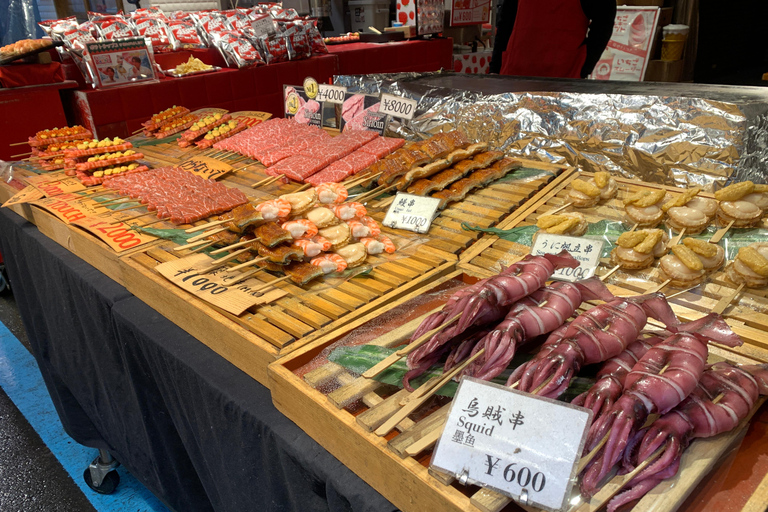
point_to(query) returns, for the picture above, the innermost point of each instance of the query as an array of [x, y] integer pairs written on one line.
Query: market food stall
[[209, 417]]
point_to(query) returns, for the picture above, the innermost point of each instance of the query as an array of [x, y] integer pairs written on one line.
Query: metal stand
[[101, 475]]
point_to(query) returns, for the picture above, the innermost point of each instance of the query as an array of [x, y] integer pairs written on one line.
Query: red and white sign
[[470, 12], [472, 63], [627, 54]]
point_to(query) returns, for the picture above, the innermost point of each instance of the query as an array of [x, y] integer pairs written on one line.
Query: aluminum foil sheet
[[676, 141]]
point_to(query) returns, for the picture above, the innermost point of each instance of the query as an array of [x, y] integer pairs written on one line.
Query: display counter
[[394, 57]]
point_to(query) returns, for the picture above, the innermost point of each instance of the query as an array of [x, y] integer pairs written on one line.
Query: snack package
[[158, 32], [74, 37], [112, 26], [297, 35], [186, 34], [237, 50], [149, 12], [237, 18], [316, 42], [281, 14], [261, 25], [210, 25], [276, 48]]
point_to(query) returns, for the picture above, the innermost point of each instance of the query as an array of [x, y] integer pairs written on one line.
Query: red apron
[[547, 40]]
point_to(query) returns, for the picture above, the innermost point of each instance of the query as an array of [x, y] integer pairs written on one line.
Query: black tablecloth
[[195, 430]]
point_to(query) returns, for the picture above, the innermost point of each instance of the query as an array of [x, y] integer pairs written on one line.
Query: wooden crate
[[747, 314], [340, 410]]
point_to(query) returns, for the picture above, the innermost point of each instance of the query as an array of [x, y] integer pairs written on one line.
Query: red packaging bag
[[237, 50]]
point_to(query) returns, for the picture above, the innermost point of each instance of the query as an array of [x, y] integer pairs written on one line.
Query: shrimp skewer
[[377, 245], [274, 209], [483, 302], [330, 262], [300, 228], [724, 396], [329, 193], [596, 335], [662, 379], [348, 211], [313, 246]]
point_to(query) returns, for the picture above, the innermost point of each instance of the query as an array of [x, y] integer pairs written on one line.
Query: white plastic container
[[368, 13]]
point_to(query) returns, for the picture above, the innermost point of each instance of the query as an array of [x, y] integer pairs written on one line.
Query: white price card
[[586, 250], [521, 445], [414, 213], [332, 93], [397, 106]]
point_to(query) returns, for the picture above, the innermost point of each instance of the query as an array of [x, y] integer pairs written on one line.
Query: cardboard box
[[665, 71]]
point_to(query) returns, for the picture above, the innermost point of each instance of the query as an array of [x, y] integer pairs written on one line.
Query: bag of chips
[[237, 49]]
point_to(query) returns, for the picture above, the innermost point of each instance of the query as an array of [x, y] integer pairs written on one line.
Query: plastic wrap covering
[[680, 141], [19, 21]]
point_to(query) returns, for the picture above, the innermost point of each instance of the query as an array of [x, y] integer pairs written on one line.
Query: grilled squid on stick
[[596, 335], [724, 396], [662, 379], [541, 312], [483, 302]]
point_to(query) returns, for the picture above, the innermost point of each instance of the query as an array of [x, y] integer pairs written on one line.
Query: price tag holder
[[586, 250], [212, 287], [26, 195], [410, 212], [523, 446], [205, 167], [397, 106], [331, 93]]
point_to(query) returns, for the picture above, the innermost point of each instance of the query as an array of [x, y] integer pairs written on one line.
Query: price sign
[[251, 117], [26, 195], [69, 207], [310, 87], [55, 184], [586, 250], [205, 167], [119, 237], [397, 106], [331, 93], [212, 287], [523, 446], [414, 213]]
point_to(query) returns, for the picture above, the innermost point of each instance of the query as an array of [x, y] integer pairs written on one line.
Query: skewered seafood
[[644, 208], [689, 211], [274, 209], [482, 302], [330, 262], [242, 217], [339, 235], [330, 193], [637, 249], [353, 254], [301, 202], [610, 379], [322, 217], [569, 223], [348, 211], [541, 312], [379, 244], [689, 263], [750, 266], [723, 397], [596, 335], [313, 246], [458, 190], [662, 378], [300, 228], [601, 187]]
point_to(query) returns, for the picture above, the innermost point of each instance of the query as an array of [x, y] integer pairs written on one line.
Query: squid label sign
[[586, 250], [501, 438]]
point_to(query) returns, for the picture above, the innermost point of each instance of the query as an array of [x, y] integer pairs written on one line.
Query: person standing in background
[[551, 38]]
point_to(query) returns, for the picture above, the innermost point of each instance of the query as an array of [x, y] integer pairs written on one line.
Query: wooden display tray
[[311, 392], [747, 315]]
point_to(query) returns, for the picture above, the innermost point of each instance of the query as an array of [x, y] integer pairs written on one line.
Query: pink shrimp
[[483, 302], [541, 312], [662, 378], [359, 230], [348, 211], [723, 397], [300, 228], [598, 334], [377, 245], [312, 246], [274, 209], [330, 262], [372, 225], [328, 193], [610, 379]]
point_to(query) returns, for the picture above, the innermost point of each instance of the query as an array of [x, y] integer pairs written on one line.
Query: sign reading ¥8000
[[398, 106], [587, 251], [524, 446]]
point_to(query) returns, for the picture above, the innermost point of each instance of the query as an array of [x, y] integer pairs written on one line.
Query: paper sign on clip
[[587, 251]]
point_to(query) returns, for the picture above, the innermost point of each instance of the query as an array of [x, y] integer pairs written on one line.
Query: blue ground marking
[[21, 380]]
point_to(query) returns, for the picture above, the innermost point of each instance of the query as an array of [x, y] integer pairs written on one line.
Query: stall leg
[[101, 475]]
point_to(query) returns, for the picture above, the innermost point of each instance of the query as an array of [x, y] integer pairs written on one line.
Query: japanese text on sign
[[585, 250], [414, 213], [398, 106], [502, 438], [331, 93], [207, 168]]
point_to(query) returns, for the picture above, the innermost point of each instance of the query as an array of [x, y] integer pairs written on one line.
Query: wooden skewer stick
[[608, 274], [132, 218], [303, 187], [396, 356], [720, 233], [207, 233], [725, 301], [376, 193], [248, 263], [662, 285], [18, 143], [23, 154], [205, 226], [676, 240], [541, 386], [202, 247], [118, 200], [222, 261], [99, 194], [190, 246], [245, 276], [271, 283], [559, 209], [633, 227], [681, 292], [412, 405], [233, 246], [266, 181], [158, 221], [137, 131], [126, 209]]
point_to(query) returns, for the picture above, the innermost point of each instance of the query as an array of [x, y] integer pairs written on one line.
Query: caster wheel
[[108, 485]]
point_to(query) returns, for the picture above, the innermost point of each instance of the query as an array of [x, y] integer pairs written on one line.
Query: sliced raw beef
[[341, 169], [352, 107], [297, 167], [382, 146]]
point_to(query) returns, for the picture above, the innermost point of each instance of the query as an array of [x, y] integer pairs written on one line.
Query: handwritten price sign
[[587, 251], [503, 439], [397, 106], [208, 168], [54, 185], [119, 237], [411, 212]]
